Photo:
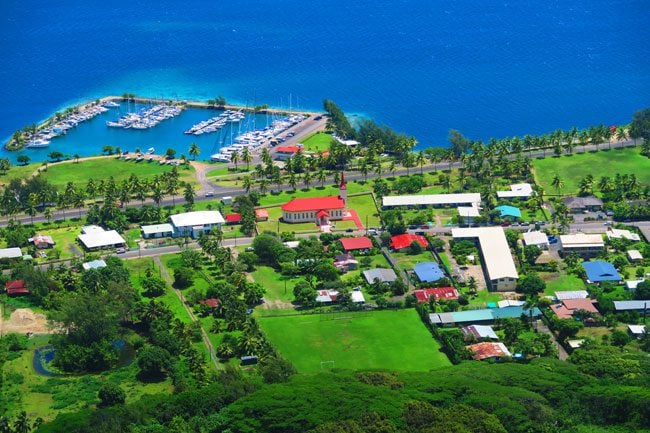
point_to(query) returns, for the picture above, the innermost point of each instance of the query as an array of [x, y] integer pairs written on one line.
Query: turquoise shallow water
[[484, 68]]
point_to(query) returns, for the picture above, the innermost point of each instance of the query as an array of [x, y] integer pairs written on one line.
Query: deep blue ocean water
[[420, 66]]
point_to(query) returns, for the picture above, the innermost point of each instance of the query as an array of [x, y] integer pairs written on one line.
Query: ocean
[[487, 69]]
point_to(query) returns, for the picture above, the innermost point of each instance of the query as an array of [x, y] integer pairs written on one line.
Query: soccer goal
[[329, 365]]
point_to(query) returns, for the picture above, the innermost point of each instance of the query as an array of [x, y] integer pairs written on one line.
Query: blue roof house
[[509, 211], [598, 271], [428, 272]]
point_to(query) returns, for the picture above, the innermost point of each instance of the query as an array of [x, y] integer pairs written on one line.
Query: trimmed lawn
[[315, 191], [481, 299], [317, 142], [60, 174], [407, 261], [274, 283], [365, 207], [558, 282], [393, 340], [65, 240], [572, 169]]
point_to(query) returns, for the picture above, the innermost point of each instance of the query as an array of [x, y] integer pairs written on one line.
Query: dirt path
[[204, 335], [201, 170], [24, 321]]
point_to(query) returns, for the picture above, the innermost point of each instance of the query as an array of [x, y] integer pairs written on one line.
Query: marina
[[146, 118], [86, 133]]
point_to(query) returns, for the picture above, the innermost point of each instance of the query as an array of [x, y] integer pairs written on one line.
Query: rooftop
[[582, 240], [622, 234], [327, 296], [313, 204], [10, 253], [580, 202], [358, 243], [632, 284], [287, 149], [469, 211], [535, 238], [261, 213], [198, 218], [357, 296], [428, 272], [566, 309], [634, 255], [494, 246], [480, 331], [438, 293], [95, 264], [632, 305], [487, 350], [523, 190], [636, 329], [571, 294], [398, 242], [233, 218], [598, 271], [99, 239], [157, 228], [510, 303], [41, 239], [432, 199], [383, 275]]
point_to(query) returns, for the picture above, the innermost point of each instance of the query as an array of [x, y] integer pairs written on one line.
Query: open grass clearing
[[46, 397], [573, 168], [561, 281], [317, 142], [407, 261], [393, 340], [277, 286]]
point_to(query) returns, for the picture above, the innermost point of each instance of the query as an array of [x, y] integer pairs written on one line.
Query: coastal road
[[234, 192]]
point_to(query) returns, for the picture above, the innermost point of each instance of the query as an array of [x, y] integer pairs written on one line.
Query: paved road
[[561, 353], [234, 192]]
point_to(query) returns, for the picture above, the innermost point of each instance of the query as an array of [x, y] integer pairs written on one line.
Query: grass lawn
[[393, 340], [407, 261], [101, 168], [557, 282], [572, 169], [43, 396], [365, 207], [315, 191], [317, 142], [65, 240], [481, 299], [274, 283]]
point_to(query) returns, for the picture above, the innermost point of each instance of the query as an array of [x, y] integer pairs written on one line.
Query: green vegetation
[[573, 168], [317, 142], [393, 340]]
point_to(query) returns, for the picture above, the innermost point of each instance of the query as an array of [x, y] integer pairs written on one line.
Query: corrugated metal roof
[[432, 199]]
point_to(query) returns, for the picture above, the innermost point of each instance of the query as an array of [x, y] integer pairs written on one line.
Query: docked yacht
[[37, 142]]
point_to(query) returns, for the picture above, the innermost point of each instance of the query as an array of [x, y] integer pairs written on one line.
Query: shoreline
[[147, 100]]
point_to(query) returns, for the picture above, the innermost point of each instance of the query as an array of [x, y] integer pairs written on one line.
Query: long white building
[[467, 199], [498, 265], [195, 223]]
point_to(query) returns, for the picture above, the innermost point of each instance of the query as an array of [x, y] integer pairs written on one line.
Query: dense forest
[[602, 391]]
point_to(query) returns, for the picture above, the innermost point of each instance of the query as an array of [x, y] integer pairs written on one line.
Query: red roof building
[[210, 302], [285, 152], [352, 244], [319, 210], [16, 287], [233, 218], [445, 293], [566, 309], [405, 240], [487, 350], [261, 214]]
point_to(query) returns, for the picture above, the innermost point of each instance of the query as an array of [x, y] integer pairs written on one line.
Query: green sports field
[[572, 169], [394, 340]]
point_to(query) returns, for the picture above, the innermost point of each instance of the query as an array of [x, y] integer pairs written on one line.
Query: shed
[[634, 255], [16, 288], [233, 218], [354, 244], [248, 360], [261, 214], [357, 296], [383, 275], [636, 330], [10, 253], [639, 305], [632, 284], [438, 293], [487, 350]]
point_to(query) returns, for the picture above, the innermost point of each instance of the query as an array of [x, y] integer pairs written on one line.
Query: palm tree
[[76, 157], [188, 194], [306, 178], [322, 177], [247, 157], [557, 183], [194, 151], [32, 201], [264, 186], [234, 158], [421, 160], [247, 183]]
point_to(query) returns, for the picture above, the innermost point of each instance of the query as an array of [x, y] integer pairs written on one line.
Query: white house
[[537, 238], [436, 200], [622, 234], [95, 237], [195, 223], [634, 255], [582, 244], [518, 190], [468, 214], [10, 253], [497, 261], [157, 231]]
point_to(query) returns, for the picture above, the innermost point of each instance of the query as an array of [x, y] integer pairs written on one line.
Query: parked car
[[318, 117], [209, 194], [419, 233], [372, 232], [609, 213], [350, 230], [120, 250], [525, 224], [412, 227]]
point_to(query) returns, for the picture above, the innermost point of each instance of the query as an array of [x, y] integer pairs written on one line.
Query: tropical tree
[[247, 183], [194, 151], [23, 159], [557, 183], [246, 157], [234, 158], [188, 195]]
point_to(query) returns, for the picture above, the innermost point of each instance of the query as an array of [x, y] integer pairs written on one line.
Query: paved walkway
[[354, 216], [561, 353]]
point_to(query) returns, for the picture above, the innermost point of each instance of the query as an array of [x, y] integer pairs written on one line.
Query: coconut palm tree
[[557, 183], [322, 177], [247, 157], [247, 183], [194, 151], [234, 158]]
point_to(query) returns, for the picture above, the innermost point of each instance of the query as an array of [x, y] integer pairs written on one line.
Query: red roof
[[487, 350], [210, 302], [322, 213], [233, 218], [261, 213], [566, 309], [287, 149], [313, 204], [16, 287], [405, 240], [360, 243], [16, 284], [446, 293]]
